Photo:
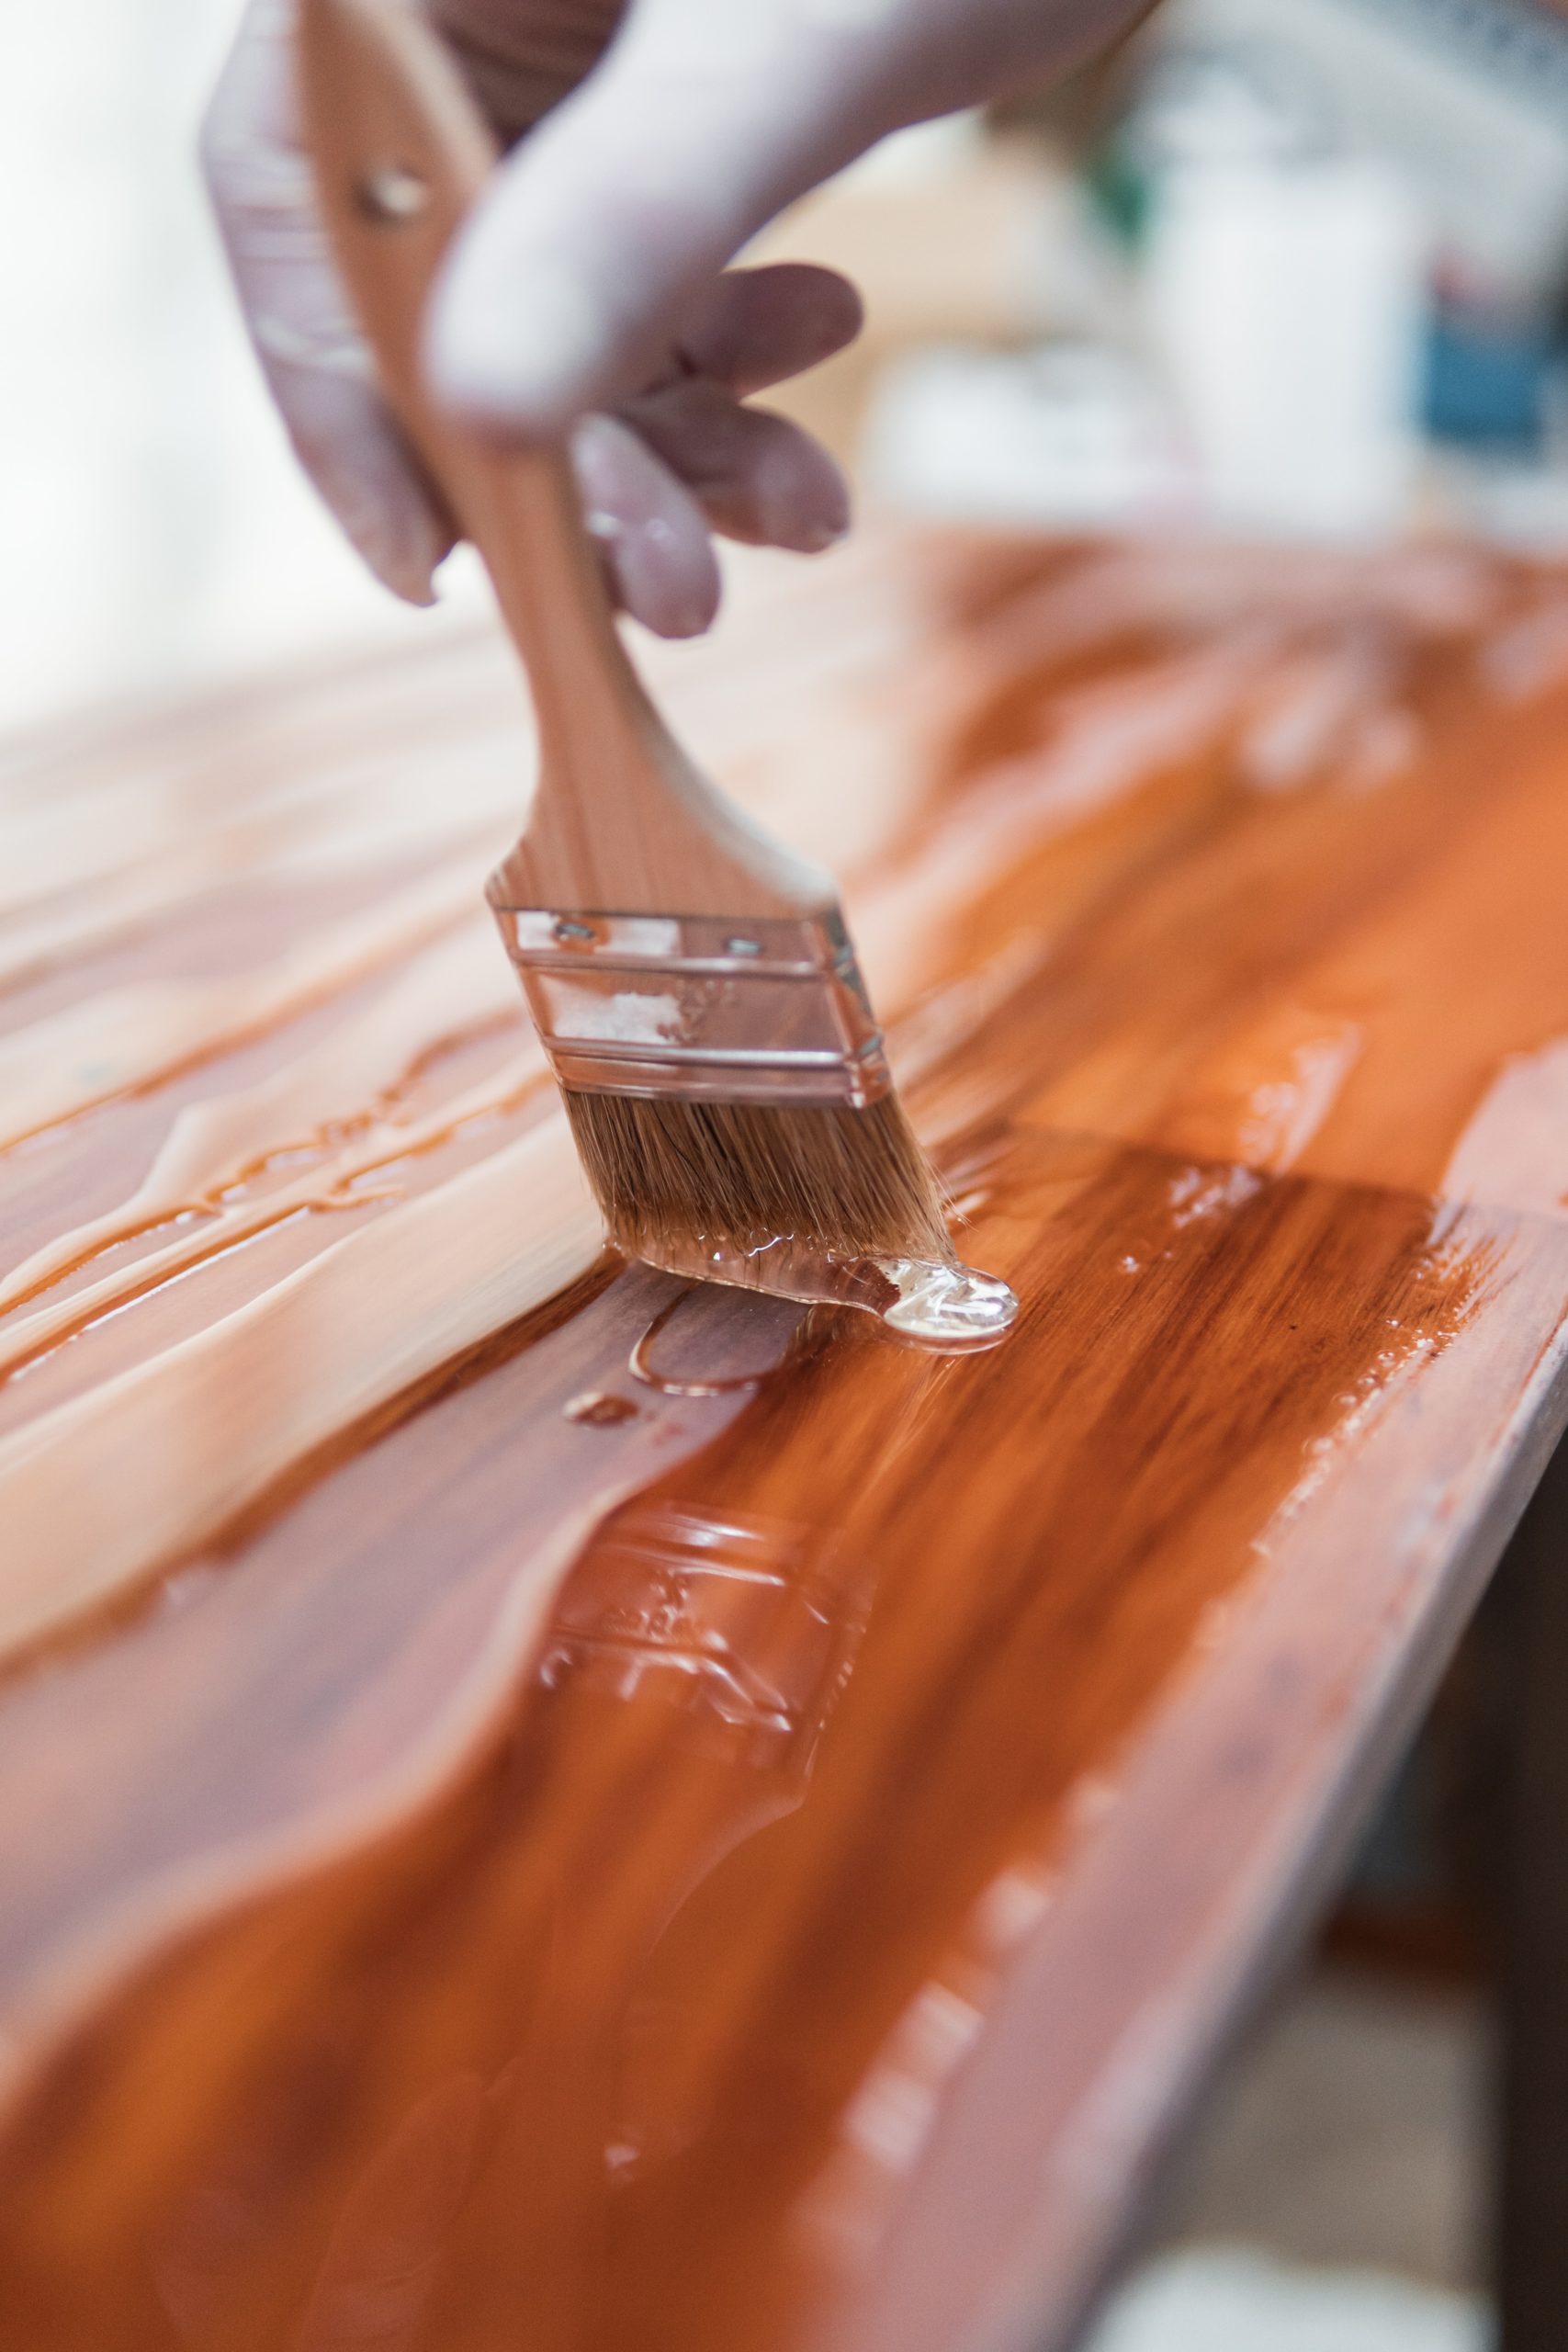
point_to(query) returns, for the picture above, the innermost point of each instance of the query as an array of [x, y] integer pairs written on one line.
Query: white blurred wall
[[153, 524]]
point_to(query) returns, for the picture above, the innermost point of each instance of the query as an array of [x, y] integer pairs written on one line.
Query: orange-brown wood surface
[[544, 1807]]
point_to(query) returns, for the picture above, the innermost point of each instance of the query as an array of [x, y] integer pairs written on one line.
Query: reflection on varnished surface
[[547, 1804]]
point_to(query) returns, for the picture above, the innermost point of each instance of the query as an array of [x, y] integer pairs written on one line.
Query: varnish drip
[[929, 1302]]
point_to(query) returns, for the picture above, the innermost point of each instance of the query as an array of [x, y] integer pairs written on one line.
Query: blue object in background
[[1485, 385]]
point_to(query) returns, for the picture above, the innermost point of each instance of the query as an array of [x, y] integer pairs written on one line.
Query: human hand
[[589, 295]]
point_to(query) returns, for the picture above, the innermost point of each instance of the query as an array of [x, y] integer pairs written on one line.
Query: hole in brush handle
[[391, 195]]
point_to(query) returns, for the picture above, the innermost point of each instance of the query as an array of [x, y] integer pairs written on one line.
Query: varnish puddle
[[929, 1303]]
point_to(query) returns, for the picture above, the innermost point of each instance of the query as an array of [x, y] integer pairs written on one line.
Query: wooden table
[[541, 1807]]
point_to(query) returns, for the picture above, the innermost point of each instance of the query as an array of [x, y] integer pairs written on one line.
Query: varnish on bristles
[[737, 1176]]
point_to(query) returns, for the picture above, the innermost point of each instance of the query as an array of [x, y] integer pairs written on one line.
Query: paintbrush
[[691, 981]]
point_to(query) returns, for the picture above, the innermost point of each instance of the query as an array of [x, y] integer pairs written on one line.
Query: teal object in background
[[1486, 385]]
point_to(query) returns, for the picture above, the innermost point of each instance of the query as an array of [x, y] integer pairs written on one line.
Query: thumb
[[610, 221]]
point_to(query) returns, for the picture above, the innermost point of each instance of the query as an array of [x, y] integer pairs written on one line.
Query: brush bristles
[[739, 1174]]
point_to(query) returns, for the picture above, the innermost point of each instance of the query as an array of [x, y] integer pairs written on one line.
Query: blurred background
[[1285, 269]]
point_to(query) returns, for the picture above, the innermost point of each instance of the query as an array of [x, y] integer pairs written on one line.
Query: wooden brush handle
[[621, 817]]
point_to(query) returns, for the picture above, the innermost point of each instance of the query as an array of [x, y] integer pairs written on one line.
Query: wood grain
[[610, 1817]]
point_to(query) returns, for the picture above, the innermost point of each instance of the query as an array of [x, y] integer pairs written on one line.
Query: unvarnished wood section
[[545, 1807]]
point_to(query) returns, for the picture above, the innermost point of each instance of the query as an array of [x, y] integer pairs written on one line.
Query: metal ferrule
[[699, 1008]]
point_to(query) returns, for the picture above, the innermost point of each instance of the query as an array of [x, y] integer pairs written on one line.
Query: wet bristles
[[737, 1175]]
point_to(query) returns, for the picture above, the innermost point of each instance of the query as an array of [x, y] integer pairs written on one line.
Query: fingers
[[686, 459], [600, 234], [680, 462], [756, 476], [519, 60], [313, 359], [649, 529], [760, 326]]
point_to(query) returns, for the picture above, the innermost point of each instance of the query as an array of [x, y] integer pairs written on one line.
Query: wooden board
[[544, 1807]]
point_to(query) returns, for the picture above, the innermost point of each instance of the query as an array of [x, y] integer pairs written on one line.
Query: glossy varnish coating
[[545, 1806]]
